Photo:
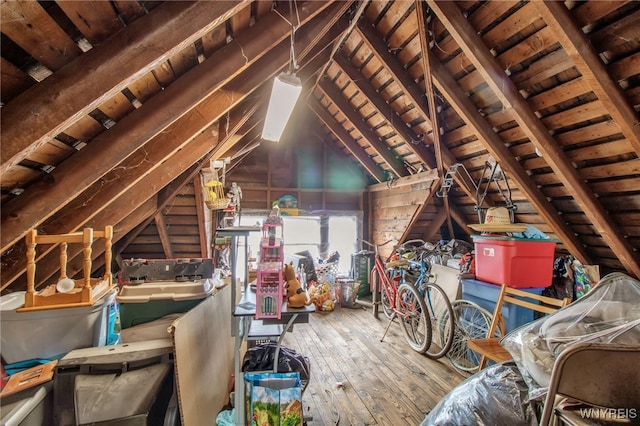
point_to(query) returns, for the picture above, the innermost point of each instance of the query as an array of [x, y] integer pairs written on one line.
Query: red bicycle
[[400, 300]]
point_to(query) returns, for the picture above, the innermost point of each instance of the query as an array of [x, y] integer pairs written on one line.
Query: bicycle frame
[[390, 289], [403, 301], [384, 284]]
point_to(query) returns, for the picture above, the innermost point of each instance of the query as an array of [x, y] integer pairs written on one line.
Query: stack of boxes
[[525, 264]]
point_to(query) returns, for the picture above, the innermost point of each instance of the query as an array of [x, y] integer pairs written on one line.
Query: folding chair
[[604, 377], [489, 347]]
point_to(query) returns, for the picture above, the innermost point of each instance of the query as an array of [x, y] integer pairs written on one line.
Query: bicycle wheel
[[413, 318], [472, 322], [440, 314], [387, 304]]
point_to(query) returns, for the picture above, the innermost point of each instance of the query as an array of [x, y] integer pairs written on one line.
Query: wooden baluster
[[87, 240], [63, 260], [108, 237], [31, 266]]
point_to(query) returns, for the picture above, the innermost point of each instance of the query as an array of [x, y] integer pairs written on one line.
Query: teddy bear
[[296, 296]]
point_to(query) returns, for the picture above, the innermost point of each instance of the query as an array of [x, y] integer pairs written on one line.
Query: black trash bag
[[260, 358], [495, 396]]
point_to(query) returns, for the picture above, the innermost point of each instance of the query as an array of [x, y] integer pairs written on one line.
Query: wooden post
[[31, 264], [108, 237], [63, 260], [87, 239]]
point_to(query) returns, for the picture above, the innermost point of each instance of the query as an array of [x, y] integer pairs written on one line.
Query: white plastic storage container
[[51, 333], [29, 407]]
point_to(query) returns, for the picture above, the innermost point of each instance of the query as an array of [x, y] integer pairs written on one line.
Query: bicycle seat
[[397, 263]]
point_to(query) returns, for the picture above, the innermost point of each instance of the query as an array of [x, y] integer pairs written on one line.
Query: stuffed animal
[[296, 296]]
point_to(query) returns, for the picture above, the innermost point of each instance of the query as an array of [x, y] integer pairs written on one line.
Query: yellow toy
[[296, 296], [321, 296]]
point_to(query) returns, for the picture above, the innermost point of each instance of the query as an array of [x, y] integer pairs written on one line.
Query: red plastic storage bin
[[516, 262]]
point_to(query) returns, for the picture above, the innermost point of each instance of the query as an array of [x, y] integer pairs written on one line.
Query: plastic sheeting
[[509, 393], [495, 396], [609, 313]]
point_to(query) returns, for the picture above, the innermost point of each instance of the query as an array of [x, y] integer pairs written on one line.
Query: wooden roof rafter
[[412, 91], [587, 61], [343, 136], [212, 108], [419, 149], [163, 232], [494, 144], [118, 208], [44, 111], [473, 47], [353, 117], [143, 124]]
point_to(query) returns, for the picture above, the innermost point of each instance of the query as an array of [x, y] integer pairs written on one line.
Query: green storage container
[[149, 301], [361, 265]]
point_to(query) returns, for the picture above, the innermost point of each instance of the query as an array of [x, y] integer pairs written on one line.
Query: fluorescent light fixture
[[284, 94]]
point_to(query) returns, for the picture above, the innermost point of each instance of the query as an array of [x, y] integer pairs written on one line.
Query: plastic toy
[[296, 296]]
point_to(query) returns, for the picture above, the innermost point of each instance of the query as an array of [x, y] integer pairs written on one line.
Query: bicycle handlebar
[[375, 245], [397, 263], [413, 241]]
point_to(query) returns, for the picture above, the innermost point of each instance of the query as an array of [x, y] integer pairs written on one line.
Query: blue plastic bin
[[486, 294]]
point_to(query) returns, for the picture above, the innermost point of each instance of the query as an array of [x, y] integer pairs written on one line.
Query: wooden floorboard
[[358, 380]]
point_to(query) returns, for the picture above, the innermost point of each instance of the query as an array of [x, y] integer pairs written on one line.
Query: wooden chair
[[489, 347], [601, 376]]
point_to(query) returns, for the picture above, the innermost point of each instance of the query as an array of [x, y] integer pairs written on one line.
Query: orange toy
[[296, 296]]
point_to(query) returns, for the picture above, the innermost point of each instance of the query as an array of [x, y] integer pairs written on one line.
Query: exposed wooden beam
[[42, 112], [354, 148], [146, 188], [134, 131], [426, 176], [383, 151], [434, 226], [473, 47], [194, 149], [116, 207], [411, 90], [431, 98], [120, 230], [163, 233], [204, 218], [593, 70], [242, 121], [338, 42], [419, 149], [467, 111], [334, 148], [120, 181], [20, 18]]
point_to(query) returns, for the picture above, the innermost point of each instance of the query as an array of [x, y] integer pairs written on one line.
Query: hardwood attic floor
[[358, 380]]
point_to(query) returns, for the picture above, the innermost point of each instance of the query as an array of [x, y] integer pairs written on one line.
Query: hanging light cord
[[293, 63]]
